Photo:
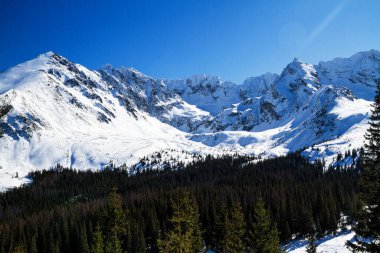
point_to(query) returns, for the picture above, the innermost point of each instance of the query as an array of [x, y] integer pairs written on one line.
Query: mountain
[[55, 111]]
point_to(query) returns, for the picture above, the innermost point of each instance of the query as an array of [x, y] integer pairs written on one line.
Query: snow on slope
[[209, 93], [355, 116], [52, 122], [333, 122], [55, 111], [328, 244], [359, 73], [325, 105]]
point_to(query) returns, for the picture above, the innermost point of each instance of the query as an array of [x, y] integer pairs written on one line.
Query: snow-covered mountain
[[55, 111]]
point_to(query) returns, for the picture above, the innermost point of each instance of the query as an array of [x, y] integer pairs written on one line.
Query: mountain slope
[[55, 111], [60, 112]]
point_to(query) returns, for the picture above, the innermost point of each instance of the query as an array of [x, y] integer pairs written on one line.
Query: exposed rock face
[[51, 97]]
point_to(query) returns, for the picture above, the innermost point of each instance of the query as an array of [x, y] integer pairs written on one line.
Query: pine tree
[[368, 225], [84, 241], [53, 244], [19, 249], [185, 235], [65, 237], [97, 241], [138, 240], [115, 223], [234, 235], [2, 250], [33, 245], [54, 247], [153, 228], [263, 237], [220, 230], [113, 245], [306, 221], [311, 246]]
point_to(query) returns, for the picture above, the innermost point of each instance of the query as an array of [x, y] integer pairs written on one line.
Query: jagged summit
[[47, 54], [370, 55], [125, 70], [296, 60], [55, 111]]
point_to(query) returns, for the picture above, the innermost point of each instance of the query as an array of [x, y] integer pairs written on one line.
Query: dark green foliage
[[263, 236], [311, 246], [19, 249], [368, 223], [84, 241], [185, 234], [33, 245], [235, 231], [219, 230], [138, 241], [229, 232], [97, 241], [114, 223], [62, 207]]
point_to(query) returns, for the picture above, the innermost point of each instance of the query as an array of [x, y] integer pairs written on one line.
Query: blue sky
[[178, 38]]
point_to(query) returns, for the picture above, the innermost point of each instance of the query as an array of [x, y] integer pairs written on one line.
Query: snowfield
[[328, 244]]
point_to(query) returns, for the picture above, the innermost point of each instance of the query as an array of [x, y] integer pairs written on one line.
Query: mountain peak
[[297, 67], [47, 54], [296, 60], [370, 55], [114, 112], [107, 67], [366, 55], [212, 79], [133, 70], [123, 70]]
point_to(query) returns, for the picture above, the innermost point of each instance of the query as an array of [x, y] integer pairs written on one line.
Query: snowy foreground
[[328, 244]]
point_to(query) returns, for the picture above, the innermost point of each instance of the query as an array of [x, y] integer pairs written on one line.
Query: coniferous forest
[[228, 204], [367, 225]]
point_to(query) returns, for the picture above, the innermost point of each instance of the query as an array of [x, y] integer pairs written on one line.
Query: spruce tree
[[113, 245], [65, 237], [368, 225], [220, 230], [83, 241], [53, 244], [19, 249], [115, 222], [97, 241], [138, 241], [311, 246], [263, 237], [33, 245], [185, 235], [234, 235]]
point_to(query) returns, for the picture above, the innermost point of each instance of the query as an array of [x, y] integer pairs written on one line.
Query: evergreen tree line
[[367, 225], [185, 233], [65, 210]]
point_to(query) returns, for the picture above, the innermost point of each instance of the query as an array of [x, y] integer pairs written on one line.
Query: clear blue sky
[[177, 38]]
